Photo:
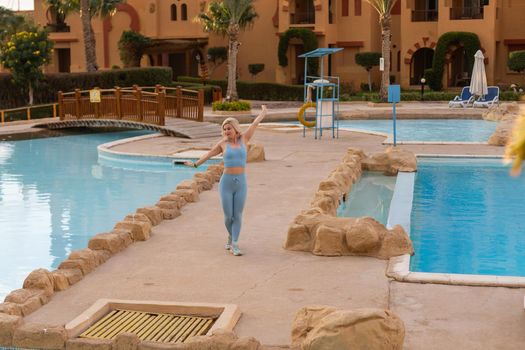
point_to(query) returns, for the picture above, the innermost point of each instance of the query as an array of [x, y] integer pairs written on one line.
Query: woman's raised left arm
[[251, 129]]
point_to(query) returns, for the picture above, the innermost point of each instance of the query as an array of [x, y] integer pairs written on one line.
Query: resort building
[[417, 25]]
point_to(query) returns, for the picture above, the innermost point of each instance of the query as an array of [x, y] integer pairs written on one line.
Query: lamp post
[[422, 81]]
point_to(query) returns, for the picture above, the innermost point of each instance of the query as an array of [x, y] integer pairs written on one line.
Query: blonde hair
[[234, 124]]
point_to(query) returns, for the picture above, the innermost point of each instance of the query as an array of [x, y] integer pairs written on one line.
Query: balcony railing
[[466, 12], [307, 17], [424, 15]]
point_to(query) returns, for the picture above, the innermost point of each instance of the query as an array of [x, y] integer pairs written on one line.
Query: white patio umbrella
[[478, 81]]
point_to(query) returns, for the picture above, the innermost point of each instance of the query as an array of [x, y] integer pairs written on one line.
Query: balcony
[[57, 28], [458, 13], [302, 18], [424, 15]]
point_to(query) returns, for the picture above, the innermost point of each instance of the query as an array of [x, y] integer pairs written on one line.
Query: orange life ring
[[300, 115]]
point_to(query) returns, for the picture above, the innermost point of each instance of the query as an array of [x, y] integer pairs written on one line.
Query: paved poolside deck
[[185, 260]]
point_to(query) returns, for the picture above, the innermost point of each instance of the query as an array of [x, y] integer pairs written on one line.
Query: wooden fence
[[133, 104]]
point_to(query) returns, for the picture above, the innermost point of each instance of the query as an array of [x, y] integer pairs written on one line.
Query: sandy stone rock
[[72, 275], [60, 280], [255, 153], [11, 309], [101, 256], [298, 238], [373, 329], [37, 336], [138, 217], [396, 242], [246, 343], [109, 241], [31, 305], [364, 236], [503, 132], [498, 112], [153, 213], [170, 214], [187, 185], [39, 279], [328, 241], [125, 236], [203, 184], [20, 296], [174, 197], [220, 339], [189, 195], [75, 264], [205, 175], [126, 341], [140, 231], [88, 344], [87, 256], [306, 319], [391, 161], [8, 325], [168, 205]]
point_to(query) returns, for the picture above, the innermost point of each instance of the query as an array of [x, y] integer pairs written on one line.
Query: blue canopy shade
[[320, 52]]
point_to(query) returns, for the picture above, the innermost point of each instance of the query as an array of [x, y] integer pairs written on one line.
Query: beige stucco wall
[[503, 20]]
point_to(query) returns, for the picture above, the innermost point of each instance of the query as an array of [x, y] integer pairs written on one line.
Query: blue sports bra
[[234, 157]]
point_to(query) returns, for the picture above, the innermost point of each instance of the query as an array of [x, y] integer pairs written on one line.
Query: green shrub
[[257, 91], [310, 43], [471, 44], [12, 96], [131, 47], [208, 89], [231, 106], [516, 61], [255, 68]]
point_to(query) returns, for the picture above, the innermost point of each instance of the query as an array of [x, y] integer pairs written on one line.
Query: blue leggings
[[232, 189]]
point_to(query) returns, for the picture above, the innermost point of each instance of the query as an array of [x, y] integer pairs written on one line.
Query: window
[[183, 12], [331, 11], [345, 8], [173, 12], [357, 7]]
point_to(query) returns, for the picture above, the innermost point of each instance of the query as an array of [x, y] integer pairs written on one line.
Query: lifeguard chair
[[326, 90]]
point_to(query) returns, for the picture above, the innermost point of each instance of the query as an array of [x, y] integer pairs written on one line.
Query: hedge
[[208, 89], [428, 96], [471, 44], [12, 96], [257, 91]]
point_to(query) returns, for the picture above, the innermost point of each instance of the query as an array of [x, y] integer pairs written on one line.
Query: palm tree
[[228, 18], [384, 9], [88, 10]]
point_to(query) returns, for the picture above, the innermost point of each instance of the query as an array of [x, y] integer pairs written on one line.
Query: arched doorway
[[421, 60], [458, 68]]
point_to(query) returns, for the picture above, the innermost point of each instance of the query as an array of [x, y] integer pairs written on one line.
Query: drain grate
[[157, 327]]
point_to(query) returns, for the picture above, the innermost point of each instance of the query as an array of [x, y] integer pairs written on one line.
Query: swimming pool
[[467, 218], [370, 196], [55, 195], [428, 130]]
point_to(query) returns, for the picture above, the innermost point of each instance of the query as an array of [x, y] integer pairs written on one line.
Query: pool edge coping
[[398, 267]]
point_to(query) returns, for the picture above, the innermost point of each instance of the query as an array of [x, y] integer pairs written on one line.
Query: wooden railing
[[183, 103], [134, 104], [28, 113]]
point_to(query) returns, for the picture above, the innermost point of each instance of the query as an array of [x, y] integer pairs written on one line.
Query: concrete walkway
[[185, 260]]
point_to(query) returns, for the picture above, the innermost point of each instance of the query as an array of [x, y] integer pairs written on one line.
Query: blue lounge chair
[[463, 100], [490, 99]]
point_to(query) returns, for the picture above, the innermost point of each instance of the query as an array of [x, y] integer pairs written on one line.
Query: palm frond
[[382, 7], [220, 15]]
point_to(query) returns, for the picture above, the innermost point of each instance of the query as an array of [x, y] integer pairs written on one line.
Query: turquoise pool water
[[468, 218], [444, 130], [55, 195], [370, 196]]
